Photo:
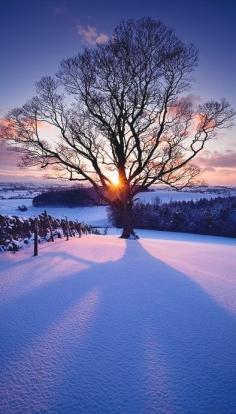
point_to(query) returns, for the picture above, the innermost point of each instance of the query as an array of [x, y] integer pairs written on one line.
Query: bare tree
[[120, 108]]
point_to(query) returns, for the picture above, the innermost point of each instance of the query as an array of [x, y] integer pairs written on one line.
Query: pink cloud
[[219, 167], [90, 35], [218, 160], [8, 158], [10, 170], [3, 123], [221, 176]]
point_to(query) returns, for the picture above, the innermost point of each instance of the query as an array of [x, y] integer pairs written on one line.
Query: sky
[[35, 35]]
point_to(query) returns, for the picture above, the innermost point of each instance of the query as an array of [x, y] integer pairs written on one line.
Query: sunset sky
[[35, 35]]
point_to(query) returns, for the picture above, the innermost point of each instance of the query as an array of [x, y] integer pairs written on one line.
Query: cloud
[[90, 35], [9, 167], [223, 176], [3, 123], [219, 167], [218, 160], [9, 158]]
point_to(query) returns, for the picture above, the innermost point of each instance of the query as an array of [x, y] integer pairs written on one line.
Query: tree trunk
[[128, 230]]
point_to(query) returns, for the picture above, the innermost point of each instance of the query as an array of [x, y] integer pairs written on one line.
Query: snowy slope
[[102, 325]]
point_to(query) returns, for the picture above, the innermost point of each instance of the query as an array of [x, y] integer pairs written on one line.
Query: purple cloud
[[90, 35], [218, 160]]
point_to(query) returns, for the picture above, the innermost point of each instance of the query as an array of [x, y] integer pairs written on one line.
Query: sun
[[115, 180]]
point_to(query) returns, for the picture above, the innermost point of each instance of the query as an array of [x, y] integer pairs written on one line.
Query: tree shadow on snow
[[154, 342]]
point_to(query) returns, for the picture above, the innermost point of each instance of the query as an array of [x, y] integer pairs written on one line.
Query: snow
[[167, 196], [95, 216], [103, 325]]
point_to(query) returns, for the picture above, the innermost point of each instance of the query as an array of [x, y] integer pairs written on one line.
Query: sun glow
[[115, 180]]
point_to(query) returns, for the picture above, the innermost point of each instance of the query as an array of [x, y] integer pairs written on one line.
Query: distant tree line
[[75, 197], [82, 196], [216, 216]]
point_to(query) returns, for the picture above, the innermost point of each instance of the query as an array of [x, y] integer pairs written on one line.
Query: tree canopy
[[121, 108]]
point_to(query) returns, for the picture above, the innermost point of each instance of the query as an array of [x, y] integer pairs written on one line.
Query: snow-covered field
[[96, 216], [101, 325]]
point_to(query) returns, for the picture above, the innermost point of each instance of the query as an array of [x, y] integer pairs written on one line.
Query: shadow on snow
[[130, 336]]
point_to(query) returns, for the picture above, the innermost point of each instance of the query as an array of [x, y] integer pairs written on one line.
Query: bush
[[17, 231], [22, 208]]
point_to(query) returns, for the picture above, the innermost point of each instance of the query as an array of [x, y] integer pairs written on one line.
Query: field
[[103, 325]]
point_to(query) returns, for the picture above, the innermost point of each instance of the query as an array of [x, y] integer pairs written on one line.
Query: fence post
[[67, 229], [50, 226], [70, 232], [36, 237], [79, 228]]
